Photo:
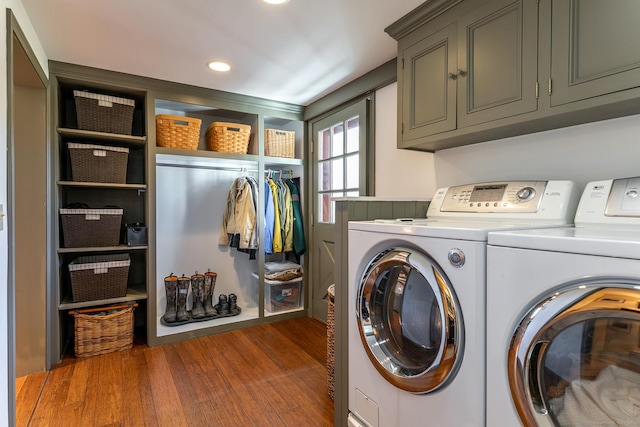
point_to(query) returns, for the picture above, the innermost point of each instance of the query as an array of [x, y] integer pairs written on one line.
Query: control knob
[[525, 194]]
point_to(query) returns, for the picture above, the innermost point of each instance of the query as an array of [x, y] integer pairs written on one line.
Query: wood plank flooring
[[268, 375]]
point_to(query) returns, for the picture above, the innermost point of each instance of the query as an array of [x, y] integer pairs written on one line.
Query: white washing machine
[[563, 317], [417, 302]]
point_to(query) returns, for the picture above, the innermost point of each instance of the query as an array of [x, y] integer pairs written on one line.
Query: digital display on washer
[[488, 193]]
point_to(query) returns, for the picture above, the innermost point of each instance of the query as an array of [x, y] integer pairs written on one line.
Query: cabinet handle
[[453, 76], [462, 73]]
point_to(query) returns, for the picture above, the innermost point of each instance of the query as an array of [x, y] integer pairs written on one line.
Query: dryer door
[[410, 321], [575, 357]]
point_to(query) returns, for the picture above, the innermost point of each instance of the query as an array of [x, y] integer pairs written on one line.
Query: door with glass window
[[338, 170]]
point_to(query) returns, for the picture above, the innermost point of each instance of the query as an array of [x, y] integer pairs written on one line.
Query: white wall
[[27, 28], [399, 173], [594, 151]]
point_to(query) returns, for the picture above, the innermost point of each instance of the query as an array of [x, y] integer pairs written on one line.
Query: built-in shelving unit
[[178, 194]]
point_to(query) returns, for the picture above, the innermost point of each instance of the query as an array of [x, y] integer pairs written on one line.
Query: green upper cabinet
[[497, 61], [473, 69], [427, 89], [594, 48]]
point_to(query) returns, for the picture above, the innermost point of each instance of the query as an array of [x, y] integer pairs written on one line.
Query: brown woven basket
[[103, 113], [98, 163], [177, 132], [228, 137], [99, 277], [331, 320], [90, 227], [103, 332], [279, 143]]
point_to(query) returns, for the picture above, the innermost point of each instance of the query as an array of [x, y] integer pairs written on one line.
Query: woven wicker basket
[[279, 143], [331, 320], [103, 332], [98, 163], [103, 113], [228, 137], [90, 227], [177, 132], [99, 277]]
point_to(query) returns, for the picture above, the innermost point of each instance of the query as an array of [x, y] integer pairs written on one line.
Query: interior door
[[338, 170]]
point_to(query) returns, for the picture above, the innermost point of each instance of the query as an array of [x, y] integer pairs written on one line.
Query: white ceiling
[[296, 52]]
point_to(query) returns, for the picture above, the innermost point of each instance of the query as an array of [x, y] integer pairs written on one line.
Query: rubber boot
[[233, 303], [171, 289], [209, 286], [197, 290], [223, 305], [182, 314]]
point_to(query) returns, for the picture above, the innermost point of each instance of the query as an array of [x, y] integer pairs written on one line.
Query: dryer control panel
[[610, 203], [519, 200], [522, 196]]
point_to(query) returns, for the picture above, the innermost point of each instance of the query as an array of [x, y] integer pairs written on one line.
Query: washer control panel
[[513, 196], [624, 198]]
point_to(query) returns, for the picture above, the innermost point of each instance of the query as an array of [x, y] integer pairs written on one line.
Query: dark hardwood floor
[[268, 375]]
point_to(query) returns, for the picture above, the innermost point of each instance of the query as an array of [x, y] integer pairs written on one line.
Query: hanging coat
[[299, 244], [277, 231]]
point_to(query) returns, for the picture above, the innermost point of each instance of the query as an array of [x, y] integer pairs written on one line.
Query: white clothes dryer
[[417, 302], [563, 317]]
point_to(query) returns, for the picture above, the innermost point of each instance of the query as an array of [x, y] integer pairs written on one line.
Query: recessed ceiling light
[[275, 1], [219, 66]]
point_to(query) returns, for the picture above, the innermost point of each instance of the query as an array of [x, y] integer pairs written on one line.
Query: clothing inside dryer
[[591, 373]]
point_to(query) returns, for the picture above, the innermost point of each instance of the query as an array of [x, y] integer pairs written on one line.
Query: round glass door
[[575, 357], [410, 321]]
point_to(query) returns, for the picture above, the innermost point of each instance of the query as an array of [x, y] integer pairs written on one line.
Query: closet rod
[[282, 172], [221, 168]]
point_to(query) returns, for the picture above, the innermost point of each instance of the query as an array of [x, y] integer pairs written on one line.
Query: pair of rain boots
[[177, 290]]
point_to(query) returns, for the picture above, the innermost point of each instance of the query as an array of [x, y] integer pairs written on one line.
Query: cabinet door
[[428, 92], [497, 59], [594, 48]]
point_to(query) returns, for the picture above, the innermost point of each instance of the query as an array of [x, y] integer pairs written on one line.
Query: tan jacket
[[239, 216]]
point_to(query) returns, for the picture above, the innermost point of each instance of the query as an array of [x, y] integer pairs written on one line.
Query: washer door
[[575, 357], [410, 321]]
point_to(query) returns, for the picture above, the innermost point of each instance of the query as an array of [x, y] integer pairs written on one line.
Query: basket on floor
[[228, 137], [279, 143], [331, 320], [98, 332], [177, 132], [103, 113]]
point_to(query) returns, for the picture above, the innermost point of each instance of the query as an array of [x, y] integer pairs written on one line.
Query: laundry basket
[[331, 318], [103, 330]]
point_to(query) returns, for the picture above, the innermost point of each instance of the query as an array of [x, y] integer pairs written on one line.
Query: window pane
[[337, 177], [326, 208], [353, 171], [353, 135], [324, 144], [337, 147], [324, 176], [352, 194]]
